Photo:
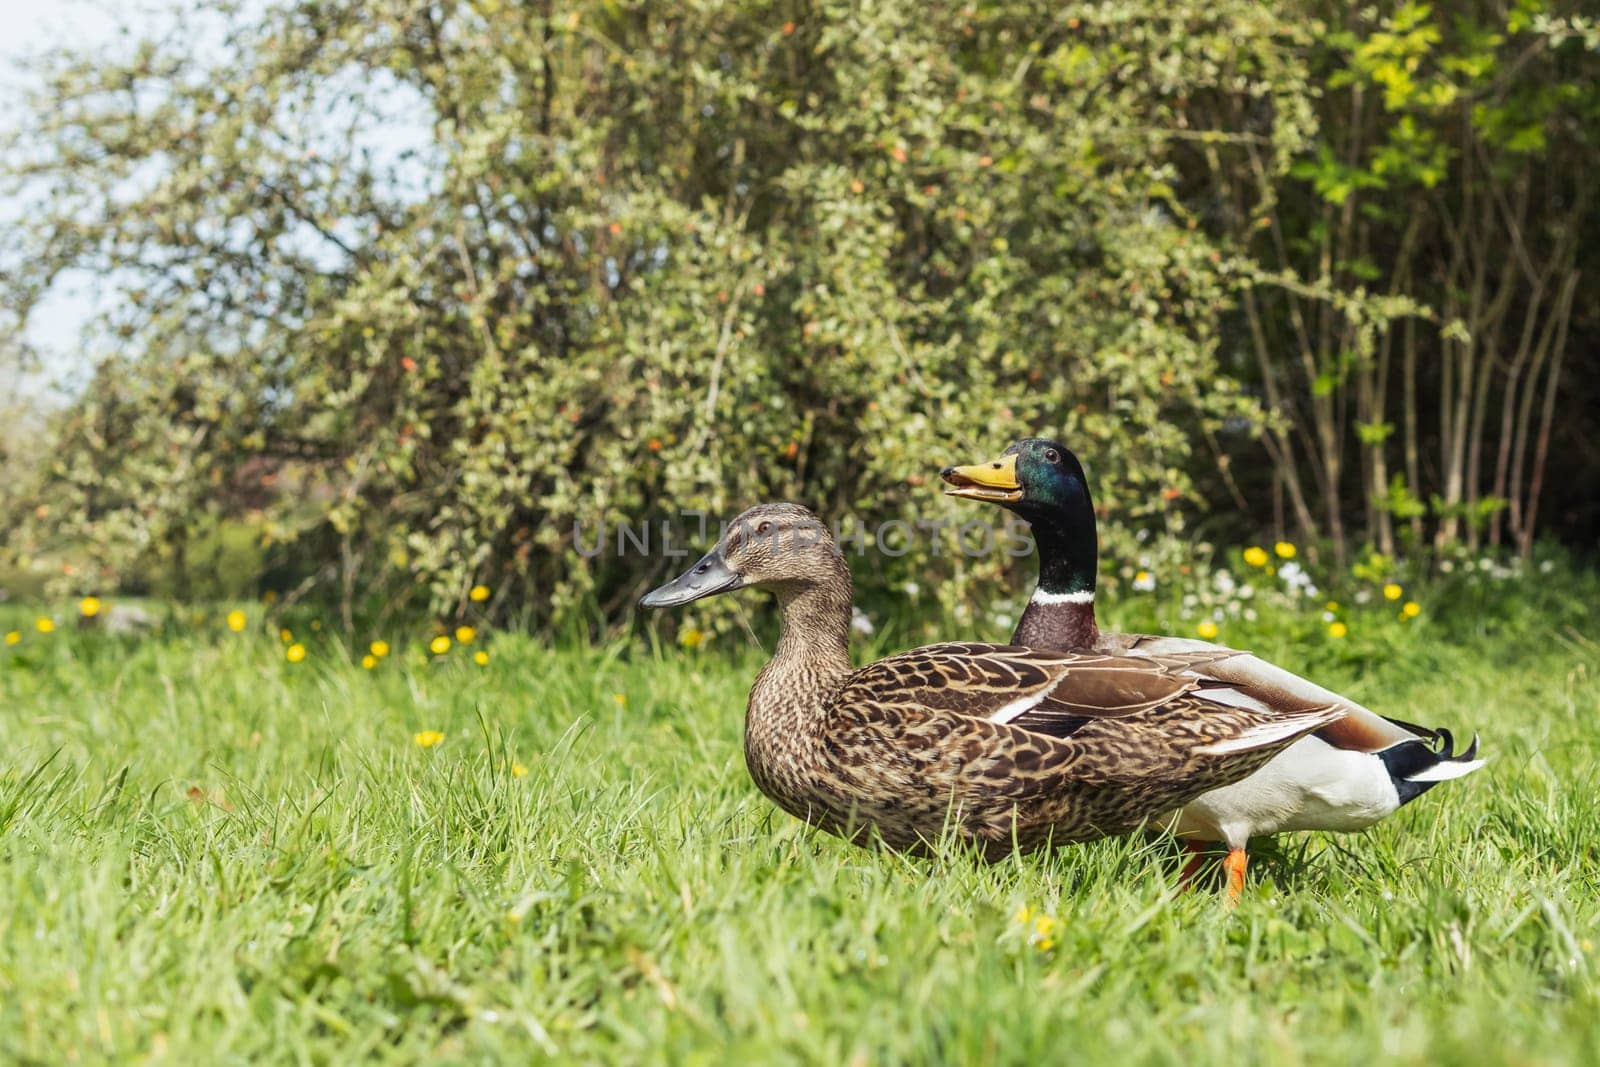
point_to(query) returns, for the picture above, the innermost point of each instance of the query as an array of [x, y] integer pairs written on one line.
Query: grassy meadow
[[212, 853]]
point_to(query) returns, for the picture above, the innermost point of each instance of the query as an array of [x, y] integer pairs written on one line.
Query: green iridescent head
[[1036, 478], [1044, 484]]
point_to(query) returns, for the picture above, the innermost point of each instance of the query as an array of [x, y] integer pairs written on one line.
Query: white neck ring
[[1041, 597]]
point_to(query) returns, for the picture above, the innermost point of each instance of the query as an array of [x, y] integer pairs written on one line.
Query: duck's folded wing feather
[[1054, 693], [1004, 683], [973, 721], [1359, 730]]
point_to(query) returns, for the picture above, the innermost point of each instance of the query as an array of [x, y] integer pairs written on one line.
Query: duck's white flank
[[1041, 597], [1311, 785]]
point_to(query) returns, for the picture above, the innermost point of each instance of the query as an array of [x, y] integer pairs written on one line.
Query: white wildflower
[[1295, 577], [860, 622]]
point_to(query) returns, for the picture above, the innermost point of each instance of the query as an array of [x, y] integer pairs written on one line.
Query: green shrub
[[649, 257]]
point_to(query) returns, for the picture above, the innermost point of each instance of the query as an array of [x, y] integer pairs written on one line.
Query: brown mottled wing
[[932, 734], [973, 679], [1052, 693], [919, 772]]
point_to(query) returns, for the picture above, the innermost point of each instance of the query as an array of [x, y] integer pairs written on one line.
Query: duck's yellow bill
[[994, 481]]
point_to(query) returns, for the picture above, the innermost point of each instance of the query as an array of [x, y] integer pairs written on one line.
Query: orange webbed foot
[[1235, 865]]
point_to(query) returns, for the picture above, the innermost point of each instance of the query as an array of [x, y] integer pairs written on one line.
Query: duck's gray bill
[[711, 575]]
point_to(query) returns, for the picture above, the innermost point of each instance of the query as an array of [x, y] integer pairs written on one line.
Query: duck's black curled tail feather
[[1416, 767]]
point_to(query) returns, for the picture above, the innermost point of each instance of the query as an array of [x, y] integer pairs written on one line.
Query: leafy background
[[1305, 271]]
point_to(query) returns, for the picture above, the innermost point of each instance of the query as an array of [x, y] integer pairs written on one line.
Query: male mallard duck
[[1346, 776], [1005, 746]]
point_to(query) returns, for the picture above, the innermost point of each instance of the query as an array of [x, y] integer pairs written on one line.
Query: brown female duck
[[1003, 746]]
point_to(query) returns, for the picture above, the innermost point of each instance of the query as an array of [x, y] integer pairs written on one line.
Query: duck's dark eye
[[1052, 456], [702, 568], [765, 527]]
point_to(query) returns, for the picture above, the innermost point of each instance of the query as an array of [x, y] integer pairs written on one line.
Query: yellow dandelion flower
[[439, 645], [379, 648], [236, 621], [1332, 605], [621, 699], [1256, 556], [427, 738], [1284, 549], [478, 594], [1410, 609], [1042, 929], [1024, 916], [513, 917], [89, 607], [285, 635], [1337, 629], [1392, 591], [369, 661], [481, 658], [295, 652], [691, 637], [518, 770], [465, 634], [44, 624], [1207, 629], [13, 637]]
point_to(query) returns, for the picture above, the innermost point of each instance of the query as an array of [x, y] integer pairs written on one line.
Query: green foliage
[[420, 295], [1400, 502], [1430, 176], [668, 257]]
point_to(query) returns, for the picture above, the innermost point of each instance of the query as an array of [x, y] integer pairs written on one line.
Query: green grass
[[209, 854]]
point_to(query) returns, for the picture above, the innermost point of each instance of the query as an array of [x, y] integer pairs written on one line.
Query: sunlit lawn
[[208, 852]]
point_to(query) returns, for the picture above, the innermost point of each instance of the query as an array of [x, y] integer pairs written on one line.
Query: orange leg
[[1197, 856], [1235, 865]]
